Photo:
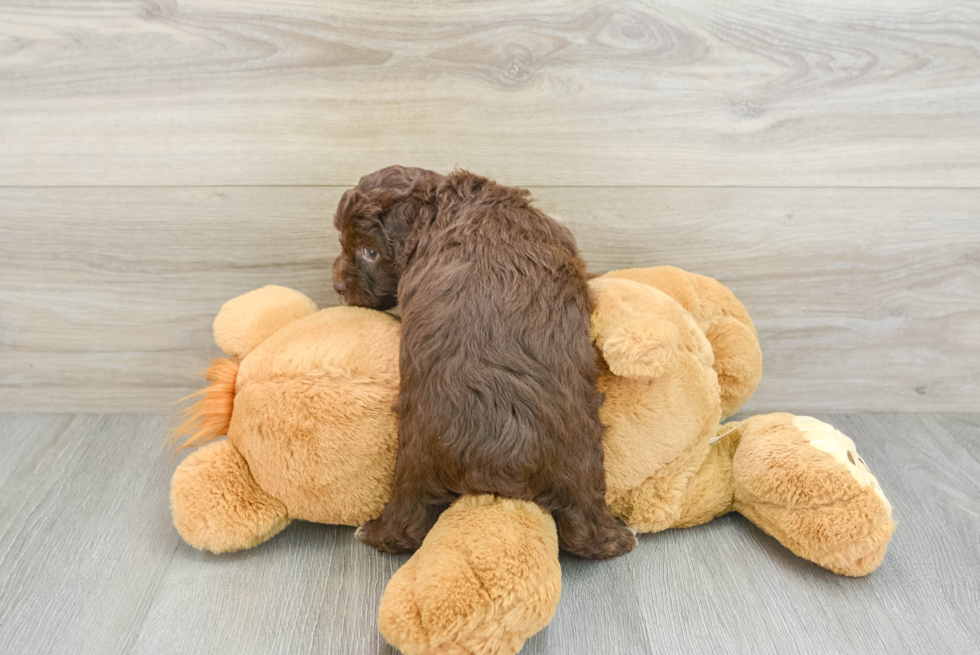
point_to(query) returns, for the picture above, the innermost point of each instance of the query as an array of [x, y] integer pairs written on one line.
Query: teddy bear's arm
[[251, 318]]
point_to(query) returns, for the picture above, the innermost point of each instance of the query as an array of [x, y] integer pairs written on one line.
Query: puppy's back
[[496, 360]]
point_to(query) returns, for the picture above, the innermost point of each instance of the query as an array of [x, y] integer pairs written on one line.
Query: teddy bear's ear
[[248, 320], [635, 328], [639, 348]]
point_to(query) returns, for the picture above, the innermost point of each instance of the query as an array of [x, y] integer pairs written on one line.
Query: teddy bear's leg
[[709, 492], [803, 482], [485, 579], [216, 504]]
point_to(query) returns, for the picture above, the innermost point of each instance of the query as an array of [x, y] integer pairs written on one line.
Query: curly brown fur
[[498, 375]]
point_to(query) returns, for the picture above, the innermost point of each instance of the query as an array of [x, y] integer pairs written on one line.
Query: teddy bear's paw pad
[[827, 438], [485, 579]]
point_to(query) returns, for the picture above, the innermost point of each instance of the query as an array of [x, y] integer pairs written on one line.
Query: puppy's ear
[[348, 201], [408, 200], [349, 205], [361, 211], [389, 197], [395, 185], [397, 219]]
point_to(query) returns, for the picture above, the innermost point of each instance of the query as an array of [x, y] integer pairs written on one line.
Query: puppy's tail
[[208, 418]]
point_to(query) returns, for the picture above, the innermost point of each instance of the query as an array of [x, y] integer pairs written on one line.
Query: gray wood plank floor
[[89, 563]]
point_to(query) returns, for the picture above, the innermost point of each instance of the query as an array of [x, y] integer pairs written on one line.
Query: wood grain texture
[[86, 545], [315, 590], [935, 491], [84, 531], [584, 93], [865, 299]]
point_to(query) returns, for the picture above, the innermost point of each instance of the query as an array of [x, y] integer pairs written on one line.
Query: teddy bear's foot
[[216, 504], [485, 579], [803, 482]]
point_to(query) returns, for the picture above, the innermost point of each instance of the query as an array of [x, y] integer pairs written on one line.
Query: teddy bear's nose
[[339, 286]]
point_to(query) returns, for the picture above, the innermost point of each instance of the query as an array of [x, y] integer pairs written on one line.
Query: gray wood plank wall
[[822, 159]]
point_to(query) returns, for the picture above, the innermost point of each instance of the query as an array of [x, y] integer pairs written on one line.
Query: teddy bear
[[304, 399]]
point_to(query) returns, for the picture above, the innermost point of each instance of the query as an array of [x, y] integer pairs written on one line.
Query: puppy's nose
[[340, 286]]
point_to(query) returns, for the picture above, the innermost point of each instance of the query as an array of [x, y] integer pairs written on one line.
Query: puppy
[[498, 374]]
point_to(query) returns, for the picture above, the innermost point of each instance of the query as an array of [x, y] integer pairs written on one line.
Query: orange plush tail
[[208, 418]]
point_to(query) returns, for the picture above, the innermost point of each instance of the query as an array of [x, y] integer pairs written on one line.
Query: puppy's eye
[[370, 254]]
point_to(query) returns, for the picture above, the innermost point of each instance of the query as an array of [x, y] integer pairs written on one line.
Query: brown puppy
[[498, 375]]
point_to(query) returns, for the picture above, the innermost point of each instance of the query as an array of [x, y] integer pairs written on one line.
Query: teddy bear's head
[[662, 399], [723, 320]]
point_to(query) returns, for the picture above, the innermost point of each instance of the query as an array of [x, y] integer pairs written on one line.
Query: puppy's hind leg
[[413, 509], [586, 526]]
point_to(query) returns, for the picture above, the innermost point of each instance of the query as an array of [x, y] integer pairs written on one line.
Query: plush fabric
[[248, 320], [221, 508], [306, 398], [483, 596], [722, 318]]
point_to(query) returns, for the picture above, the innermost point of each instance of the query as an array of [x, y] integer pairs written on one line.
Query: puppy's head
[[375, 219]]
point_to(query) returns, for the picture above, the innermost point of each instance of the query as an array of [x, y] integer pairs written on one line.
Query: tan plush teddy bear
[[305, 401]]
